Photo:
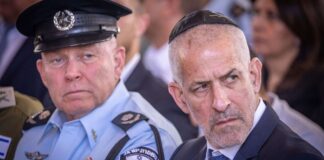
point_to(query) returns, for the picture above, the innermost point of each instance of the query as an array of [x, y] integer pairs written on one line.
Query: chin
[[227, 136]]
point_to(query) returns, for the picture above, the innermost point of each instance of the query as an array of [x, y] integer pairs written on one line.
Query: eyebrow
[[228, 73], [221, 77]]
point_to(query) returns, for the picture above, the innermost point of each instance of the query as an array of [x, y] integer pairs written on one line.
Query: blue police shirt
[[94, 135]]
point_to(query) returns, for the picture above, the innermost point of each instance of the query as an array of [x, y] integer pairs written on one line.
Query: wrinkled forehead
[[221, 38], [105, 46]]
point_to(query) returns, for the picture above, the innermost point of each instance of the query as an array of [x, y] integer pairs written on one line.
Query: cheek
[[53, 78], [280, 40], [199, 108]]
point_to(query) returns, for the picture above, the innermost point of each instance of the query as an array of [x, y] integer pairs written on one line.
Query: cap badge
[[64, 20]]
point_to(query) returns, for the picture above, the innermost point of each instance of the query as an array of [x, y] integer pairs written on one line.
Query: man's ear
[[176, 92], [256, 73], [119, 59], [40, 68]]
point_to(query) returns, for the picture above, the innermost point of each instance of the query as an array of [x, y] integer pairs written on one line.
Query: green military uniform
[[12, 117]]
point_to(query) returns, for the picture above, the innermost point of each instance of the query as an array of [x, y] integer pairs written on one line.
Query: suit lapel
[[202, 153], [134, 81], [258, 136], [18, 60]]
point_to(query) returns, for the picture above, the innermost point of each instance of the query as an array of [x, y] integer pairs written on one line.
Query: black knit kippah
[[197, 18]]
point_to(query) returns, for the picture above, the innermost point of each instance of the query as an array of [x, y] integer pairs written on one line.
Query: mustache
[[218, 117]]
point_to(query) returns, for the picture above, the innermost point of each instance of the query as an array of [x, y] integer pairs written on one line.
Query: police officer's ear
[[40, 69], [255, 68], [176, 92], [119, 58]]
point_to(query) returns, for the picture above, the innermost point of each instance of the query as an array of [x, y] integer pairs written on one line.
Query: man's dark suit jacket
[[156, 92], [271, 139], [22, 73]]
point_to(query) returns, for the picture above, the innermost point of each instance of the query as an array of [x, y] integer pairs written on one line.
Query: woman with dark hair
[[289, 36]]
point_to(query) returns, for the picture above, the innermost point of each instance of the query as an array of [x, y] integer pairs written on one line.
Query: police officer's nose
[[72, 70]]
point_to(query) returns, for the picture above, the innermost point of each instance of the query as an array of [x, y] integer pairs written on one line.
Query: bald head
[[207, 36]]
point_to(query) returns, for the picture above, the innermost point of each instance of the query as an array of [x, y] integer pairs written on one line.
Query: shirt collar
[[130, 66], [231, 151], [97, 120]]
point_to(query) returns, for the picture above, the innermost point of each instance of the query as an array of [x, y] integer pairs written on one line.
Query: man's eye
[[57, 61], [88, 56], [201, 87], [231, 78]]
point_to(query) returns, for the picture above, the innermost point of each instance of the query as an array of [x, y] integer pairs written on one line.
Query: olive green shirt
[[13, 118]]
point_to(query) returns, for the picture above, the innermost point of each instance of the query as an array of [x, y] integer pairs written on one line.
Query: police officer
[[96, 117]]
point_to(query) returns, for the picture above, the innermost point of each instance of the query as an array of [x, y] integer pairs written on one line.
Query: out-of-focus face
[[219, 90], [127, 25], [10, 9], [81, 78], [132, 27], [155, 10], [271, 37]]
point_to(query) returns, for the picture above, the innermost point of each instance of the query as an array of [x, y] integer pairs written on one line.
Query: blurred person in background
[[238, 10], [163, 16], [138, 78], [17, 61], [15, 108], [288, 35], [297, 122]]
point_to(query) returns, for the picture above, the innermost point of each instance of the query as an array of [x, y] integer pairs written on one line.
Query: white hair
[[197, 37]]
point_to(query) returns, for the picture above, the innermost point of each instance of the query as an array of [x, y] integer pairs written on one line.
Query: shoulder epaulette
[[128, 119], [38, 119]]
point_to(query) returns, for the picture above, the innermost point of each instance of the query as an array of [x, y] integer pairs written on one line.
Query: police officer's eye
[[88, 56], [56, 61]]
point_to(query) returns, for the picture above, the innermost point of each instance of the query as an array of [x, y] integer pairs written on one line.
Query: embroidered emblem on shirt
[[7, 97], [44, 114], [130, 118], [140, 153], [35, 155], [4, 146], [64, 20], [38, 119]]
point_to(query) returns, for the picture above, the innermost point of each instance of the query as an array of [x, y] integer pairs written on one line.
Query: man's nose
[[220, 99], [72, 71]]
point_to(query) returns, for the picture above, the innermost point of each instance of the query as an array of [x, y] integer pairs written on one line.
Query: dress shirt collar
[[231, 151], [130, 66], [96, 121]]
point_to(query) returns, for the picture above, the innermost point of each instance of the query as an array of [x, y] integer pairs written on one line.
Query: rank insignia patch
[[140, 153], [35, 155]]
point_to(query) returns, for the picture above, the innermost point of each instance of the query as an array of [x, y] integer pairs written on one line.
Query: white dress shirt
[[156, 60]]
